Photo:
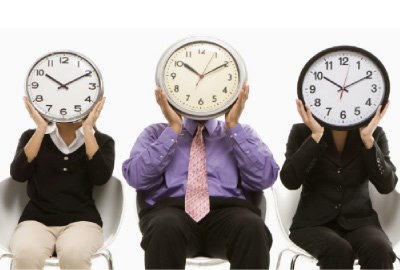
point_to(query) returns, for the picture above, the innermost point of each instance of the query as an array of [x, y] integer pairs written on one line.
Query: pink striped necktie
[[197, 200]]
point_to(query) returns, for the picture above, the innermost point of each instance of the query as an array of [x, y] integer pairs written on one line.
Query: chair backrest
[[386, 205], [13, 199], [388, 208], [286, 202], [109, 199]]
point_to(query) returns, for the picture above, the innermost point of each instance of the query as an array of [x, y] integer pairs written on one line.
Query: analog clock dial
[[201, 77], [64, 86], [344, 88]]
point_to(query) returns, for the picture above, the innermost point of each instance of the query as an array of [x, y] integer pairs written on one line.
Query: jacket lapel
[[352, 147], [331, 152]]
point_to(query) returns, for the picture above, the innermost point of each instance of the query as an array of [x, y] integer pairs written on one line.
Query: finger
[[385, 110], [309, 114], [302, 112], [101, 104]]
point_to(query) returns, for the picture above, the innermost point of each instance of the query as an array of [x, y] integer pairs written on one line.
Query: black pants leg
[[169, 236], [336, 248], [325, 244], [372, 246], [236, 233]]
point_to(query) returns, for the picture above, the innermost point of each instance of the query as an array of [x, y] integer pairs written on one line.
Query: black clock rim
[[359, 50]]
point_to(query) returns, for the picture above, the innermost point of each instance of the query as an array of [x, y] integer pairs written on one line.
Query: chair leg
[[107, 255], [293, 262], [7, 255], [278, 264]]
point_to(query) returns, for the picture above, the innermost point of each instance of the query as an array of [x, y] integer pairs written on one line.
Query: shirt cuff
[[237, 133], [168, 137]]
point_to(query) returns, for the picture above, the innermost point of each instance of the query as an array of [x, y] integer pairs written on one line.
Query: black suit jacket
[[334, 186]]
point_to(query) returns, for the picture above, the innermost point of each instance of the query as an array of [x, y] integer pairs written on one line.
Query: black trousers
[[232, 230], [336, 248]]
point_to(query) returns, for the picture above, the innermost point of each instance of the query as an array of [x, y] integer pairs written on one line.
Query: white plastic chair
[[286, 201], [257, 198], [109, 199]]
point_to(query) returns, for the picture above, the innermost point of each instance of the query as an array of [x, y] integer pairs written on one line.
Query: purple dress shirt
[[237, 161]]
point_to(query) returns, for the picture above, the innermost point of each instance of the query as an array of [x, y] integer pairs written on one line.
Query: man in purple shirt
[[237, 162]]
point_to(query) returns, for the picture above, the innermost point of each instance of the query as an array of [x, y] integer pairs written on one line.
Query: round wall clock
[[201, 77], [64, 86], [343, 86]]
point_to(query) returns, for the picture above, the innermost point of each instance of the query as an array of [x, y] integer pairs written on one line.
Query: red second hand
[[344, 84], [202, 75]]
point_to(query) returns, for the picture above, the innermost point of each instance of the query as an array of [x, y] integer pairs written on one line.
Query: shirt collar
[[191, 125]]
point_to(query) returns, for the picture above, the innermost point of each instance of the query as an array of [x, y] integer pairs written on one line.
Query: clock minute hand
[[56, 81], [224, 65], [74, 80], [357, 81], [336, 84], [191, 69]]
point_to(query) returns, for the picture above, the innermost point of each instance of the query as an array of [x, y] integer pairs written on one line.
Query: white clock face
[[201, 77], [343, 88], [64, 86]]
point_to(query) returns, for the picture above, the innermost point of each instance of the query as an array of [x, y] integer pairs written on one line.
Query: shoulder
[[155, 129], [300, 129], [102, 137], [379, 133], [28, 133]]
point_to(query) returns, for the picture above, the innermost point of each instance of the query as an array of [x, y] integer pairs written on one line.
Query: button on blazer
[[336, 186]]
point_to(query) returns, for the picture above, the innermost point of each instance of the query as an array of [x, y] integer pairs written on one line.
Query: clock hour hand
[[74, 80], [191, 69], [223, 65], [329, 80], [54, 80]]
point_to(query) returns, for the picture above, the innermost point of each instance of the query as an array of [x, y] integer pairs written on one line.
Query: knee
[[74, 257], [253, 230], [29, 255], [340, 249], [376, 250]]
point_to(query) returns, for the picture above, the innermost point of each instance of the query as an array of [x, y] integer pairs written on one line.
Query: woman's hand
[[173, 118], [94, 114], [233, 115], [316, 129], [367, 131], [40, 122]]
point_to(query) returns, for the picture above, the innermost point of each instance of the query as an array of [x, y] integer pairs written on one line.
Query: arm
[[376, 154], [101, 164], [302, 150], [378, 164], [257, 167], [21, 169], [150, 155], [302, 153]]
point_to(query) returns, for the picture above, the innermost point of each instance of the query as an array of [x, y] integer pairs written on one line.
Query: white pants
[[33, 242]]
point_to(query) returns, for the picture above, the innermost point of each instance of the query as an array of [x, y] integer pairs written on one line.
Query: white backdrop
[[127, 60]]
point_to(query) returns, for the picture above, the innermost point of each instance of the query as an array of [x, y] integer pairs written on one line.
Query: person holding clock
[[167, 159], [334, 220], [61, 162]]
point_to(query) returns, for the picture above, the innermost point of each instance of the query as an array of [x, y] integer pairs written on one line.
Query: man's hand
[[233, 115], [173, 118]]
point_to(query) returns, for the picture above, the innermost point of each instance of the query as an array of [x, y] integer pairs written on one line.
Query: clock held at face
[[64, 86], [201, 76], [344, 86]]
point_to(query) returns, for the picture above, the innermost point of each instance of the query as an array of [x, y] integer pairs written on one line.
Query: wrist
[[368, 141], [177, 127], [317, 136], [230, 125]]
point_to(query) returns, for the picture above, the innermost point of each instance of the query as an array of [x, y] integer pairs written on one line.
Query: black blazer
[[336, 187]]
